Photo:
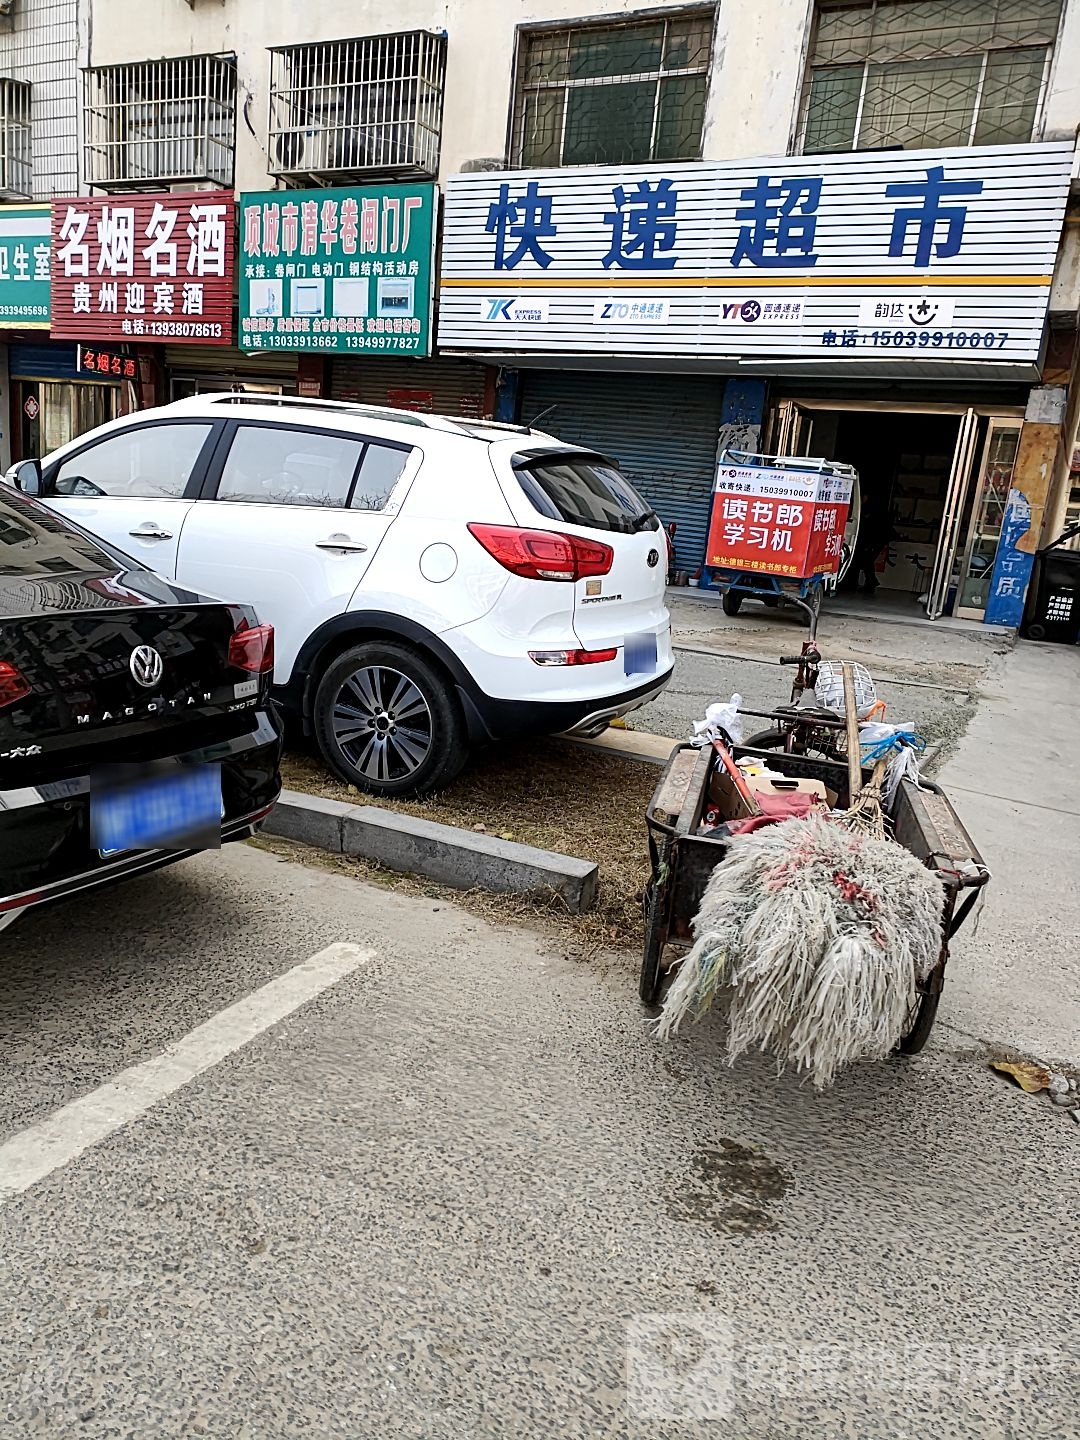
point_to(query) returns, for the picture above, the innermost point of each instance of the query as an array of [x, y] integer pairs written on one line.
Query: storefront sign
[[778, 522], [338, 270], [152, 268], [912, 256], [1012, 566], [24, 266], [91, 360]]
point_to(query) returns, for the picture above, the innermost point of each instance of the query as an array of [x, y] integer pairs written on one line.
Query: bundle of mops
[[817, 931]]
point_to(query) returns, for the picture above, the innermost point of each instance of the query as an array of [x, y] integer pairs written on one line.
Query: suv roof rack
[[475, 428], [302, 402]]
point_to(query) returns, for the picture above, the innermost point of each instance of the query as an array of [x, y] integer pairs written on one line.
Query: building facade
[[660, 229]]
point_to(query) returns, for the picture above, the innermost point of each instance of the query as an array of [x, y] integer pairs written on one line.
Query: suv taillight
[[13, 684], [252, 648], [543, 554]]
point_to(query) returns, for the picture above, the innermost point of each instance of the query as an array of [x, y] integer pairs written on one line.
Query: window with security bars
[[355, 109], [595, 94], [160, 122], [906, 74], [16, 170]]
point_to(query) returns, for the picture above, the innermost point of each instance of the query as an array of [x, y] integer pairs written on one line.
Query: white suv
[[432, 581]]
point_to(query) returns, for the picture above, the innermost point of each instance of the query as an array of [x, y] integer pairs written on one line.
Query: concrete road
[[927, 674], [439, 1182], [939, 711]]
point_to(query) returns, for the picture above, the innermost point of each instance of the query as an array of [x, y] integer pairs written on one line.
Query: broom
[[818, 931]]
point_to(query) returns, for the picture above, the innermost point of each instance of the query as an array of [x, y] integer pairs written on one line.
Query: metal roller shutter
[[42, 360], [441, 385], [662, 429], [226, 360]]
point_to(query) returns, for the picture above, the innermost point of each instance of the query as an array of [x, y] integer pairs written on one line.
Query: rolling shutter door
[[441, 386], [662, 429], [226, 360]]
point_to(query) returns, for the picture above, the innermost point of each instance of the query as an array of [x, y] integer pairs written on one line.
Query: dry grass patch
[[547, 793]]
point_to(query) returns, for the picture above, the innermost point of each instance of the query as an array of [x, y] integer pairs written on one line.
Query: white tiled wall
[[42, 49]]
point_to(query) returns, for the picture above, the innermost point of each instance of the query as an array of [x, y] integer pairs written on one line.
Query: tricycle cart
[[922, 820]]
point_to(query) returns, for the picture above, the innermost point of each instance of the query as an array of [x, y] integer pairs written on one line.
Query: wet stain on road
[[734, 1189]]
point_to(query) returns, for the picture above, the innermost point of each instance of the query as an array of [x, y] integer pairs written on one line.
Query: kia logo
[[654, 559], [147, 666]]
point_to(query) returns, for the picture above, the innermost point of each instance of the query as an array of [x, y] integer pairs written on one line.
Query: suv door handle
[[341, 542], [149, 531]]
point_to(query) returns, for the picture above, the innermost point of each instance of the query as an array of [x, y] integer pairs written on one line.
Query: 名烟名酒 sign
[[338, 270], [149, 268], [788, 523]]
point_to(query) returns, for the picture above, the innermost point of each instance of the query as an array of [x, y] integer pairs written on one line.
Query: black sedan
[[135, 720]]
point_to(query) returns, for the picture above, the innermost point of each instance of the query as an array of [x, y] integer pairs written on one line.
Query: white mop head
[[817, 934]]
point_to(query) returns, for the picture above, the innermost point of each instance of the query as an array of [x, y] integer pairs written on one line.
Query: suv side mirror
[[26, 476]]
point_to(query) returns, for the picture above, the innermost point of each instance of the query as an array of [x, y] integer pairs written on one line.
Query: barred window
[[903, 74], [613, 94]]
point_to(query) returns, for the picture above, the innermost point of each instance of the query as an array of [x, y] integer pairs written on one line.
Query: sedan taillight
[[544, 554], [252, 648], [13, 684]]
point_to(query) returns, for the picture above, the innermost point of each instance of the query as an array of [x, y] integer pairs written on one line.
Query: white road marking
[[35, 1153]]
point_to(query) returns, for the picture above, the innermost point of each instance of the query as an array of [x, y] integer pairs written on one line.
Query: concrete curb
[[461, 858]]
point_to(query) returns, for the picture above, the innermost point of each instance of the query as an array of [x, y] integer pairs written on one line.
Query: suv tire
[[388, 722]]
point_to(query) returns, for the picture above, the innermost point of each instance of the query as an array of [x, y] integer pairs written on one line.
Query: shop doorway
[[52, 412], [934, 482]]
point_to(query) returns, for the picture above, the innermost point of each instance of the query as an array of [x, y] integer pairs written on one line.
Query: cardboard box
[[732, 806]]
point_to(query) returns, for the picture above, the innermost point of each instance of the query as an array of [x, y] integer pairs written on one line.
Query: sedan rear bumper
[[46, 852]]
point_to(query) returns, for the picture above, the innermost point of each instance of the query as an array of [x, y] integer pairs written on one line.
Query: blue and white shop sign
[[910, 256]]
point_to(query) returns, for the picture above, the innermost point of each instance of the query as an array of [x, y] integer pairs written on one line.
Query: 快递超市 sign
[[933, 255], [24, 266], [338, 270]]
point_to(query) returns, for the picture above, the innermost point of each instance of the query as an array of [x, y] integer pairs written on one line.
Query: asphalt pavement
[[283, 1154]]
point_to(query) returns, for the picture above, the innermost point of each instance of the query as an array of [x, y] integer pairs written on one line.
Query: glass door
[[789, 429], [937, 600], [993, 482]]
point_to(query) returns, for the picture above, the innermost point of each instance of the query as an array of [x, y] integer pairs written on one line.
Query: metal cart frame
[[923, 821]]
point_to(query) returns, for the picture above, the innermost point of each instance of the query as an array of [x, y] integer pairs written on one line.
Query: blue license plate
[[177, 809], [639, 654]]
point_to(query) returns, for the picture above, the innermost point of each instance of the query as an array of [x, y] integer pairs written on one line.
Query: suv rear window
[[582, 489]]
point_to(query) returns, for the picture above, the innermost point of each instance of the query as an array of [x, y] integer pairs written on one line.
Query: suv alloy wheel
[[388, 722]]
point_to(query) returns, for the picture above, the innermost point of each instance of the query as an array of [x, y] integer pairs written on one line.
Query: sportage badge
[[147, 666]]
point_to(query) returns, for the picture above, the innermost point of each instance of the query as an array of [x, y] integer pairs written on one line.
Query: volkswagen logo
[[146, 666], [653, 559]]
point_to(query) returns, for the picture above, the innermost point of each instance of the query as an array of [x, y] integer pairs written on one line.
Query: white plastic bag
[[722, 722]]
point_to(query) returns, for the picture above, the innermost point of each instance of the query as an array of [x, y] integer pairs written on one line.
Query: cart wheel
[[920, 1022], [766, 740], [655, 939], [731, 604]]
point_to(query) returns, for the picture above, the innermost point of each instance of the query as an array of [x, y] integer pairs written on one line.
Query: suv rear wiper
[[643, 521]]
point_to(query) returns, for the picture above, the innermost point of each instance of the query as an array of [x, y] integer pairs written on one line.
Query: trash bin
[[1052, 611]]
